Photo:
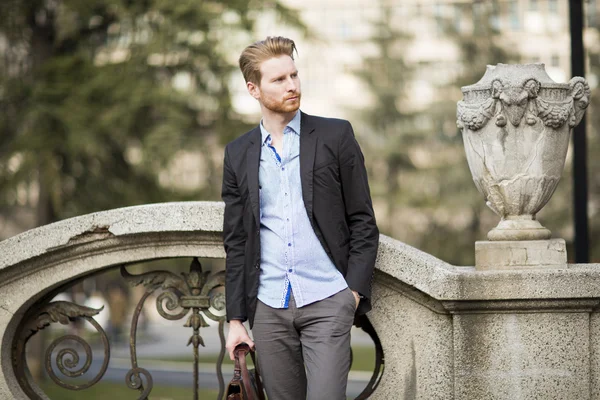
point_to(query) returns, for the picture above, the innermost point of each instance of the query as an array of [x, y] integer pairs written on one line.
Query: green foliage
[[91, 109], [391, 127]]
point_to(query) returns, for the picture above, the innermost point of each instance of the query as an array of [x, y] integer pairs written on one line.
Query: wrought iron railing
[[196, 294]]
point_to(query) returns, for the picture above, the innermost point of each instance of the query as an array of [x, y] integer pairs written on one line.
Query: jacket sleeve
[[364, 235], [234, 240]]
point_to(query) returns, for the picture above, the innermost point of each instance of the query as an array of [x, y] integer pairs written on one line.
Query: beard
[[282, 106]]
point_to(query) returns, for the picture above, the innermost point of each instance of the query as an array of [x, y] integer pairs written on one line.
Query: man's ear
[[253, 89]]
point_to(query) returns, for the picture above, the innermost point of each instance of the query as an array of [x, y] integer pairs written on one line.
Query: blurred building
[[538, 30]]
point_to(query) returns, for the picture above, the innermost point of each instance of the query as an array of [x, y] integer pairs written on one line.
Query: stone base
[[520, 254], [518, 229]]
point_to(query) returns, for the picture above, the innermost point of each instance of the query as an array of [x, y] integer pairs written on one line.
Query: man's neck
[[275, 122]]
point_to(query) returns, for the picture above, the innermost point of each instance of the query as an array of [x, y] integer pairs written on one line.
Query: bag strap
[[240, 352]]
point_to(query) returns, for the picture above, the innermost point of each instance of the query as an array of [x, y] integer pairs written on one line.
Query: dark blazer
[[336, 197]]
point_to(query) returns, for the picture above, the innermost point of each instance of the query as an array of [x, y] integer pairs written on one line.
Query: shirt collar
[[294, 125]]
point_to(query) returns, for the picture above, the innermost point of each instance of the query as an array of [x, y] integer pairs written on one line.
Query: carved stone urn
[[516, 123]]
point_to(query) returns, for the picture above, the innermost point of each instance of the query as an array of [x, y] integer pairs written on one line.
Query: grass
[[363, 358], [120, 392]]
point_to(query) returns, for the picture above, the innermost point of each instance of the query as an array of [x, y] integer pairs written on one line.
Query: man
[[299, 233]]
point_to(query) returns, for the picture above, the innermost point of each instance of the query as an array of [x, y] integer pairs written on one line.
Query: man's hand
[[237, 334], [357, 298]]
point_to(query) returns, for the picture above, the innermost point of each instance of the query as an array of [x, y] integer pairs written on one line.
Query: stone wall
[[447, 332]]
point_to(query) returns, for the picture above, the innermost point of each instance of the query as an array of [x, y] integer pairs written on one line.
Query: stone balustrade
[[447, 332]]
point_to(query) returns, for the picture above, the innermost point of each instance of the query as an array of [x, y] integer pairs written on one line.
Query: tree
[[386, 76], [431, 201], [98, 97]]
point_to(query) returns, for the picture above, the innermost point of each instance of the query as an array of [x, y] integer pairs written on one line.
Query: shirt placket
[[286, 212], [281, 163]]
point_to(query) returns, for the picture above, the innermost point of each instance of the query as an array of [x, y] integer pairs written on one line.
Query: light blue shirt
[[292, 258]]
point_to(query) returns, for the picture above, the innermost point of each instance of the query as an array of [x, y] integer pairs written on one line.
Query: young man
[[299, 233]]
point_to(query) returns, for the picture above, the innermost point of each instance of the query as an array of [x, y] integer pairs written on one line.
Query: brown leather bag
[[244, 385]]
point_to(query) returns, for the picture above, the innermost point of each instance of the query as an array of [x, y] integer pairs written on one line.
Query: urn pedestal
[[516, 123], [509, 254]]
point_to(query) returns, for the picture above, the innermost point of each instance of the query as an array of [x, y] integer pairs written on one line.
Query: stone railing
[[37, 262], [447, 332], [46, 261]]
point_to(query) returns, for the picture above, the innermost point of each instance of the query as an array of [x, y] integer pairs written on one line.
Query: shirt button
[[289, 245], [290, 270], [283, 168]]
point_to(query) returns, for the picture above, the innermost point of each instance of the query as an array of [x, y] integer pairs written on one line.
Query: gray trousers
[[304, 353]]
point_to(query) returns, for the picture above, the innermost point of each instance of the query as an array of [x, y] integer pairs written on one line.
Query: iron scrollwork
[[67, 358], [194, 293]]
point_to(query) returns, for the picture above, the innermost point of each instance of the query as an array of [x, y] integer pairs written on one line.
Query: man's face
[[279, 88]]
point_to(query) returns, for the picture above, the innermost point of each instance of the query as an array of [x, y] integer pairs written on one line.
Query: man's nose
[[291, 85]]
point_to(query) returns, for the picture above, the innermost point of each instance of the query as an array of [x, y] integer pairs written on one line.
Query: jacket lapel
[[253, 162], [308, 146]]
